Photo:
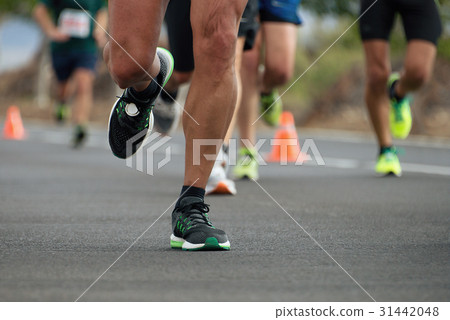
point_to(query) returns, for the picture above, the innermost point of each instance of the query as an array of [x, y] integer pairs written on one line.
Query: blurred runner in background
[[75, 39], [388, 94], [278, 40]]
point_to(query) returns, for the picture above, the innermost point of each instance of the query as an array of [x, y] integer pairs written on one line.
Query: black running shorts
[[249, 25], [66, 63], [180, 32], [420, 19]]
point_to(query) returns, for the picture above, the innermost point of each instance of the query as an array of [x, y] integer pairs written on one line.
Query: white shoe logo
[[131, 110]]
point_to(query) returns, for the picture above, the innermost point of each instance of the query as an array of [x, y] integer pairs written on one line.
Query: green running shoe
[[131, 119], [247, 165], [62, 112], [192, 230], [388, 162], [271, 108], [400, 117]]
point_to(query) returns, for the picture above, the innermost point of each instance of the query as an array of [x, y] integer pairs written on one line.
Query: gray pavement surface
[[68, 215]]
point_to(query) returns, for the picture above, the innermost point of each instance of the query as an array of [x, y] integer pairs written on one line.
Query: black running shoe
[[131, 119], [192, 229], [79, 136]]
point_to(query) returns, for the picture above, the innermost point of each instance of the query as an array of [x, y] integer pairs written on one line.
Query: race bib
[[75, 23]]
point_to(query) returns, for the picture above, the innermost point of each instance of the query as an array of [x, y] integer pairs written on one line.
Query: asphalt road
[[302, 233]]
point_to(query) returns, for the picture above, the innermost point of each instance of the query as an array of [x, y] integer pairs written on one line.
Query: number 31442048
[[409, 311]]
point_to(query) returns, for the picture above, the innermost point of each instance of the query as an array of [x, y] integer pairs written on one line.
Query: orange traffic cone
[[285, 145], [13, 128]]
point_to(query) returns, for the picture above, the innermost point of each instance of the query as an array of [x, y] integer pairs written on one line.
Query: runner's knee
[[250, 62], [84, 80], [417, 75], [377, 77], [214, 48], [279, 74], [84, 87], [125, 70]]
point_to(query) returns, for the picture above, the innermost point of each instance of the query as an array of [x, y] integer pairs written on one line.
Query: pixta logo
[[156, 152], [147, 159]]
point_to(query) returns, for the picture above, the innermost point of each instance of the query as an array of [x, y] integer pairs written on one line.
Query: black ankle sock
[[148, 93], [392, 93], [169, 96], [384, 149], [189, 191]]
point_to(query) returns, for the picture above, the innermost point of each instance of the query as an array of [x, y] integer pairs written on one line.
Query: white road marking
[[94, 140], [97, 140], [425, 168], [369, 165], [359, 137]]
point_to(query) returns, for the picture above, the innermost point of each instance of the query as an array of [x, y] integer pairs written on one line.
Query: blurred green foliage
[[22, 7], [336, 7], [350, 9], [444, 48], [345, 55]]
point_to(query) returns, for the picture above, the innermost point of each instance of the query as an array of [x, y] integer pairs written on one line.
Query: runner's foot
[[192, 229], [61, 112], [218, 183], [400, 117], [271, 108], [131, 119], [247, 165], [388, 162]]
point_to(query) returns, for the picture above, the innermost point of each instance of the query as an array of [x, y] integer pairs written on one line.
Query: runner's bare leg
[[248, 111], [418, 66], [212, 95], [134, 28], [280, 44], [378, 69], [84, 82]]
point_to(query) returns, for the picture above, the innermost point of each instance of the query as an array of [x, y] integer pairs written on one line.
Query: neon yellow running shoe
[[388, 162], [62, 112], [400, 117], [247, 165], [271, 108]]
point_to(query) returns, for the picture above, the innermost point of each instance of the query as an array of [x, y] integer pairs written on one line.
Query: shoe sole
[[172, 63], [388, 174], [211, 244], [151, 120], [393, 174], [222, 188], [175, 121], [245, 177]]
